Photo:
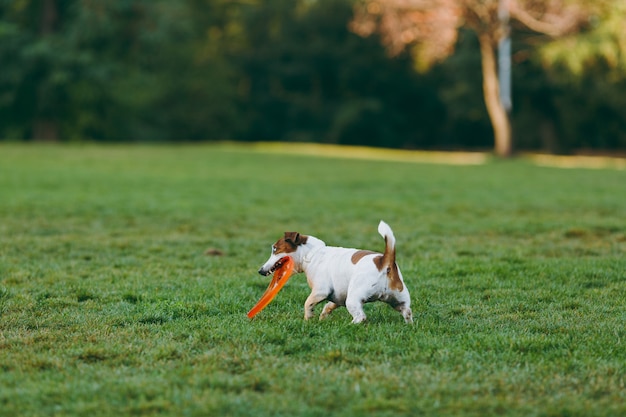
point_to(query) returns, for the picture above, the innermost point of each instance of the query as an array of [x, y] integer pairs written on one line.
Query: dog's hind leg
[[406, 312], [328, 308]]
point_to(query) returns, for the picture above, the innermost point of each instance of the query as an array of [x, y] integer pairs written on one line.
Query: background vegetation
[[289, 70], [110, 306]]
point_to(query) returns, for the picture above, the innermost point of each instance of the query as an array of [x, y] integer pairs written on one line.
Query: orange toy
[[281, 275]]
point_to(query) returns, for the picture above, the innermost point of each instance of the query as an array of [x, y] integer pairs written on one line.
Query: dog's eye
[[273, 249]]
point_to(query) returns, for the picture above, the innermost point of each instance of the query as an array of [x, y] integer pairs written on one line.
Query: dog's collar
[[308, 257]]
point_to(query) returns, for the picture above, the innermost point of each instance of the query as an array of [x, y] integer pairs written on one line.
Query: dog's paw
[[359, 319]]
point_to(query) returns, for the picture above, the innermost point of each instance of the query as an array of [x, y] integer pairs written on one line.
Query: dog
[[343, 276]]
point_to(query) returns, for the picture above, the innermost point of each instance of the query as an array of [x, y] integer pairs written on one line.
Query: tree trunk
[[491, 89], [49, 15], [45, 127], [45, 131]]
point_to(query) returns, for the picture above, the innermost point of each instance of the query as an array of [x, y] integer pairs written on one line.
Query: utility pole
[[504, 56]]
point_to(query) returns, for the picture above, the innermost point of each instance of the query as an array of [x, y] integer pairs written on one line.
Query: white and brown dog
[[344, 277]]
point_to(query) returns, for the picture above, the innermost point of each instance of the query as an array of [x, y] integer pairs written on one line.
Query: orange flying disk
[[281, 275]]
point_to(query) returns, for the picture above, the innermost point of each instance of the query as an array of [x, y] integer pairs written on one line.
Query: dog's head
[[285, 246]]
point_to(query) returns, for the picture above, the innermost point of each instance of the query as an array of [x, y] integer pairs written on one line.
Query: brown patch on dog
[[360, 254], [395, 283], [388, 261], [295, 238], [290, 242]]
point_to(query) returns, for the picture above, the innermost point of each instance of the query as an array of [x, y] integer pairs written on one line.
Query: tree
[[30, 78], [588, 73], [340, 88], [112, 70], [431, 27]]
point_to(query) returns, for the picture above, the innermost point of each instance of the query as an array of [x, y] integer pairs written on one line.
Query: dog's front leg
[[355, 307], [312, 300]]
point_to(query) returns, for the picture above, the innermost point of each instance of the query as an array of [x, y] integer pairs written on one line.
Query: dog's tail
[[389, 257], [388, 261]]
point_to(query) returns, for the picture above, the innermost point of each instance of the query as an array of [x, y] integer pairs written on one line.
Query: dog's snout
[[262, 271]]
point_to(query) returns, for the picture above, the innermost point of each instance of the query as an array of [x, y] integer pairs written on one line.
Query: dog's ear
[[295, 238]]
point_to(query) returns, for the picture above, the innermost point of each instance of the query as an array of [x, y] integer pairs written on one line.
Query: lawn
[[126, 273]]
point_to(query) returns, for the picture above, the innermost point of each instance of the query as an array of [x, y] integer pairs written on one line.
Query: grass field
[[110, 305]]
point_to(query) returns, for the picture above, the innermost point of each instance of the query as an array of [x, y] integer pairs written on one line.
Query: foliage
[[603, 44], [288, 70], [586, 76], [109, 71], [313, 93]]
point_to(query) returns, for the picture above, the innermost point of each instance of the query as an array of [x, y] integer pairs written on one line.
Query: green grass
[[110, 306]]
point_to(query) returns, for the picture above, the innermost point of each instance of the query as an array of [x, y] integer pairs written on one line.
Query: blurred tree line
[[288, 70]]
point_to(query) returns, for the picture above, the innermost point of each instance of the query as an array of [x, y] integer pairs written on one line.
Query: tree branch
[[553, 24]]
